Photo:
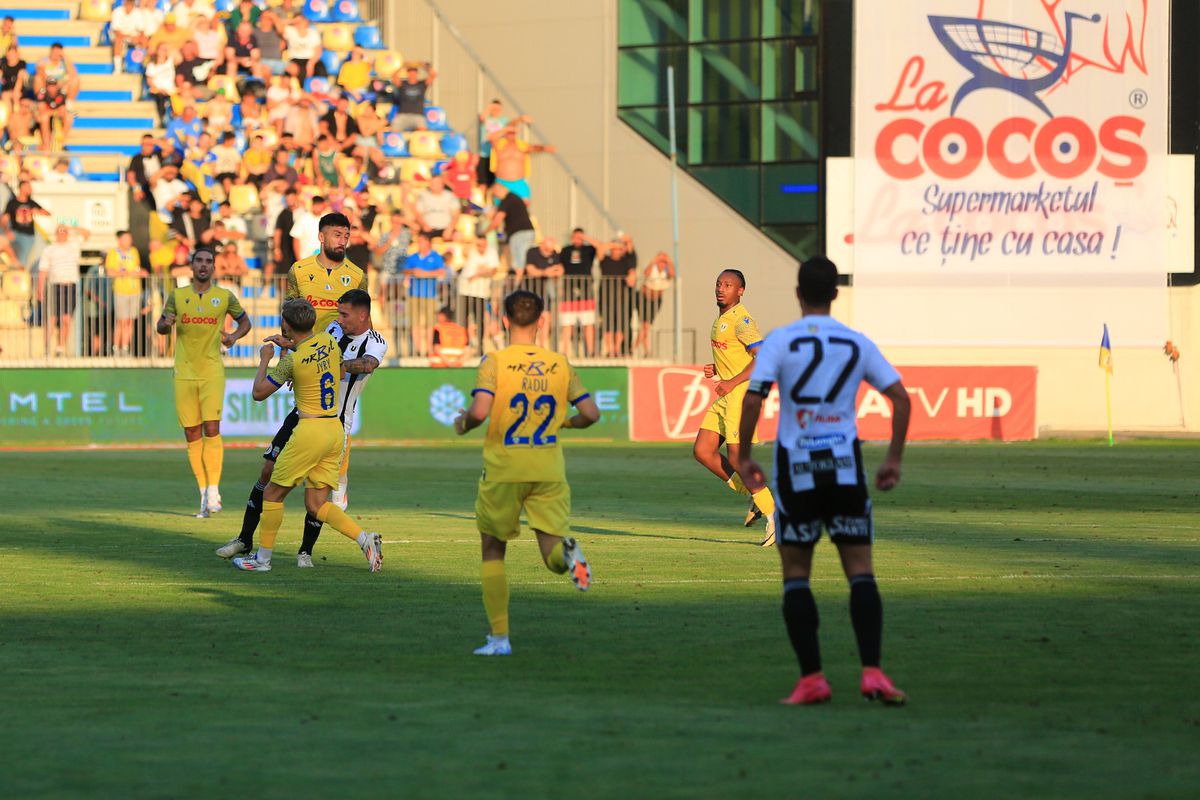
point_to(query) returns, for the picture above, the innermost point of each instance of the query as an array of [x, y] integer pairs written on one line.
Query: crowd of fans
[[261, 138]]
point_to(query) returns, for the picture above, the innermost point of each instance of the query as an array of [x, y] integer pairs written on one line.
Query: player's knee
[[212, 428], [192, 433], [701, 453]]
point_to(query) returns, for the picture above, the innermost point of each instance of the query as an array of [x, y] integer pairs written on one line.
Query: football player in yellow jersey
[[322, 278], [313, 454], [528, 388], [735, 338], [198, 313]]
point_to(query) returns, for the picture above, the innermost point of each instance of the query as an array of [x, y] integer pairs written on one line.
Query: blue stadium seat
[[135, 58], [395, 145], [317, 11], [76, 168], [435, 118], [439, 167], [318, 85], [332, 61], [453, 143], [225, 6], [368, 37], [346, 11], [106, 35]]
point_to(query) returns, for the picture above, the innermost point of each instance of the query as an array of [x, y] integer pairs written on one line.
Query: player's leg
[[191, 419], [762, 502], [213, 457], [866, 615], [707, 451], [327, 442], [244, 541], [801, 618], [272, 519], [498, 518], [548, 508]]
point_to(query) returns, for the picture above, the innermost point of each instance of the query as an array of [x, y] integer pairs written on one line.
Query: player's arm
[[243, 328], [363, 365], [167, 320], [766, 372], [725, 387], [267, 383], [888, 474], [747, 333], [293, 287], [483, 395], [587, 413]]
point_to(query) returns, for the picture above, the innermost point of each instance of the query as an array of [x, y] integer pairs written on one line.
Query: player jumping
[[819, 476], [200, 310], [735, 338], [363, 350], [314, 451], [529, 388]]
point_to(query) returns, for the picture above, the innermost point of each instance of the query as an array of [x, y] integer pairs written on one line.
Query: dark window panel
[[802, 241], [791, 194], [791, 18], [737, 186], [653, 123], [791, 131], [727, 134], [641, 22], [642, 75], [722, 19], [724, 72]]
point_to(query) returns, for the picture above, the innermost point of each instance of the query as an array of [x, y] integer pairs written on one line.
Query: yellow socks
[[196, 459], [214, 458], [331, 514], [555, 560], [272, 518], [737, 485], [765, 501], [495, 596]]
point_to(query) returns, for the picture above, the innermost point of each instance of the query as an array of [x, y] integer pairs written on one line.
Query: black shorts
[[63, 298], [483, 172], [282, 435], [840, 508], [649, 307]]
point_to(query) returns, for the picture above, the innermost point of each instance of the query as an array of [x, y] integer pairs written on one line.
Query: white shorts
[[570, 319]]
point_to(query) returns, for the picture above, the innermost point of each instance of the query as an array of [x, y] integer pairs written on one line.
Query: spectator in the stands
[[60, 173], [168, 153], [281, 172], [425, 271], [191, 67], [246, 11], [539, 274], [55, 66], [51, 108], [18, 221], [21, 119], [209, 38], [123, 265], [188, 13], [152, 17], [125, 30], [230, 263], [253, 117], [511, 159], [241, 50], [218, 113], [304, 231], [358, 251], [14, 75], [283, 251], [303, 123], [185, 129], [437, 210], [141, 167], [450, 346], [618, 273], [268, 32], [256, 160], [193, 226], [304, 47], [234, 226], [513, 215], [460, 176], [579, 301], [58, 283], [172, 34], [324, 163], [492, 120], [355, 75], [342, 127], [367, 143], [408, 96], [475, 287], [392, 248], [168, 190], [656, 280], [160, 80], [8, 33]]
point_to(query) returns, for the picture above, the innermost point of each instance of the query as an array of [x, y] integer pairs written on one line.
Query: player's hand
[[266, 352], [752, 474], [228, 339], [723, 388], [281, 341], [888, 475], [460, 422], [169, 319], [710, 370]]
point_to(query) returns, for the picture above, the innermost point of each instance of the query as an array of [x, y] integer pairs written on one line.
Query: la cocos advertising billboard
[[1012, 145]]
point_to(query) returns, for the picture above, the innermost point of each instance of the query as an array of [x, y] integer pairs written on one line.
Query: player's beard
[[335, 255]]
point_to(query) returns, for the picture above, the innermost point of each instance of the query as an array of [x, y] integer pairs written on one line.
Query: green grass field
[[1041, 608]]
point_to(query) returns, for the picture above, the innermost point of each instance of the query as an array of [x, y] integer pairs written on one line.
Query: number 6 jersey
[[533, 388], [818, 363], [315, 370]]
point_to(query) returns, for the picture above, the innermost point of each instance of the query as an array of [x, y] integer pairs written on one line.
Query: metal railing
[[105, 321]]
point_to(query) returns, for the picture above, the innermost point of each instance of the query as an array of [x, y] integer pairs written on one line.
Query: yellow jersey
[[125, 269], [322, 287], [315, 370], [734, 337], [532, 388], [199, 320]]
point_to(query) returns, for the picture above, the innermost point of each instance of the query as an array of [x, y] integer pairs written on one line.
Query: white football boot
[[214, 499], [233, 547], [372, 548], [495, 646], [304, 561], [251, 564], [577, 565]]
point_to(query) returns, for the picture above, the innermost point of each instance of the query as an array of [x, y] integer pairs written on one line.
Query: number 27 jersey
[[533, 388], [818, 363], [314, 369]]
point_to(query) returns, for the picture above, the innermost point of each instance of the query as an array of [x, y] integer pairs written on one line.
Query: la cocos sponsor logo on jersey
[[196, 319], [1032, 62]]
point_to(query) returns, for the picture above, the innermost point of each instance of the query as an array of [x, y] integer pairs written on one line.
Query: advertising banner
[[80, 407], [1011, 155], [950, 403]]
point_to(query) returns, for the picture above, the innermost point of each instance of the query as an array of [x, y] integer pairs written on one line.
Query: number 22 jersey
[[533, 388], [314, 369]]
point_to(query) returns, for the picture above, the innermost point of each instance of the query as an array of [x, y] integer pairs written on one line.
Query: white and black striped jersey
[[819, 363], [369, 343]]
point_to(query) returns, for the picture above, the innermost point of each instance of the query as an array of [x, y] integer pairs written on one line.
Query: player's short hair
[[299, 314], [333, 220], [523, 308], [737, 273], [817, 279], [357, 298], [447, 312], [204, 248]]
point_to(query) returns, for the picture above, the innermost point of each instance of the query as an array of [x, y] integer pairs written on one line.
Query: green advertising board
[[81, 407]]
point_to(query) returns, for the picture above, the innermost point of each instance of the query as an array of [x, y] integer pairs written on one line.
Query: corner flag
[[1106, 364], [1105, 352]]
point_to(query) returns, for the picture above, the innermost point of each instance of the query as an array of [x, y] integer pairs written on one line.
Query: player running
[[200, 310], [314, 451], [363, 350], [529, 388], [819, 476], [735, 338], [324, 277]]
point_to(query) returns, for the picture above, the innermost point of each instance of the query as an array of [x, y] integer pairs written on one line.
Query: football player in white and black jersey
[[363, 350], [820, 482]]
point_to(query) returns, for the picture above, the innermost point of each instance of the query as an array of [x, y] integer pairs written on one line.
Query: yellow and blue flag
[[1106, 352]]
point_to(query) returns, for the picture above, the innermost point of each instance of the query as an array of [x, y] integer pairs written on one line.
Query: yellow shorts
[[199, 401], [547, 506], [313, 455], [725, 415]]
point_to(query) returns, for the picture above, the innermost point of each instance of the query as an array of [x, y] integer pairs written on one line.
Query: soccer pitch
[[1040, 603]]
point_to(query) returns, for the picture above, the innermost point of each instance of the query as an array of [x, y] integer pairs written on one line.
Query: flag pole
[[1108, 403]]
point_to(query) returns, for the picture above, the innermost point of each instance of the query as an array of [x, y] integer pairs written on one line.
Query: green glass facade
[[748, 102]]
